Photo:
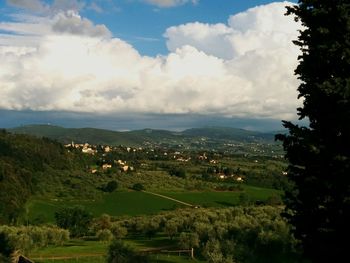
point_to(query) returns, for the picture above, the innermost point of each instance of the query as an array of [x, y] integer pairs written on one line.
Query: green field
[[221, 199], [115, 204], [138, 203]]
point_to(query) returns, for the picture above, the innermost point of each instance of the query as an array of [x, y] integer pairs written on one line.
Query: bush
[[110, 186], [178, 172], [138, 187], [6, 248], [118, 252], [104, 235], [27, 238], [119, 231]]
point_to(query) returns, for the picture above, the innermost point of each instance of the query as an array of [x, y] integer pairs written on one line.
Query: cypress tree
[[318, 204]]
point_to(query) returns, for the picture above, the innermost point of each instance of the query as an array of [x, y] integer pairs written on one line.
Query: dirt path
[[169, 198]]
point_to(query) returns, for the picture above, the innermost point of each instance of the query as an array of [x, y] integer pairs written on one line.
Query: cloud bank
[[64, 62]]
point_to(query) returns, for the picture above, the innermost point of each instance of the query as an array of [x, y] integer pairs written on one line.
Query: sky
[[130, 64]]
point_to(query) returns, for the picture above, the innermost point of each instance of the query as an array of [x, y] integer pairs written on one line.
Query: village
[[210, 164]]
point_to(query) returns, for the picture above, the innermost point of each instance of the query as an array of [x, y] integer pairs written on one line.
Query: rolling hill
[[145, 136]]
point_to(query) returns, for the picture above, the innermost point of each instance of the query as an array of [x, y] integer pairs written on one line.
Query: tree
[[104, 235], [119, 231], [118, 252], [188, 240], [177, 171], [76, 219], [318, 203], [170, 228], [111, 186], [6, 248], [102, 222]]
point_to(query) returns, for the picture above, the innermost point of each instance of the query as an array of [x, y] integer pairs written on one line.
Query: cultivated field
[[133, 203]]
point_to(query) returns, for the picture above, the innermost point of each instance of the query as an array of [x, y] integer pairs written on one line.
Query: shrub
[[110, 186], [118, 252], [138, 187], [104, 235]]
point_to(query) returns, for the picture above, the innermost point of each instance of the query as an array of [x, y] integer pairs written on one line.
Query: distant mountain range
[[145, 136]]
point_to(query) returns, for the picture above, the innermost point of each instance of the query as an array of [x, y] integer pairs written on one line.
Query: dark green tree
[[177, 171], [6, 248], [318, 205], [111, 186], [76, 219]]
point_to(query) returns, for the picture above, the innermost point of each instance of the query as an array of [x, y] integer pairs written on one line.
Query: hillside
[[26, 162], [224, 133], [210, 135]]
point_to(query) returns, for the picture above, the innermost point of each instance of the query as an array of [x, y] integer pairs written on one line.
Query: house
[[120, 162], [16, 257], [87, 149], [106, 166], [222, 176], [203, 157]]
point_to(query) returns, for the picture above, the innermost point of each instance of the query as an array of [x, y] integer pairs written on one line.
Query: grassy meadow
[[80, 251]]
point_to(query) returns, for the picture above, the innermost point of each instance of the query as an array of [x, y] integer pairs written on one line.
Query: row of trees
[[27, 238], [250, 234]]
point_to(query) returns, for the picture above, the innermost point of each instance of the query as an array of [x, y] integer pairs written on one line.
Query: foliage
[[104, 235], [76, 219], [319, 154], [188, 240], [26, 163], [138, 187], [101, 223], [239, 234], [119, 231], [28, 238], [177, 171], [6, 248], [118, 252], [111, 186]]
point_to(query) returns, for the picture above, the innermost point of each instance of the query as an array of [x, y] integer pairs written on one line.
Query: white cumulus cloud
[[64, 62]]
